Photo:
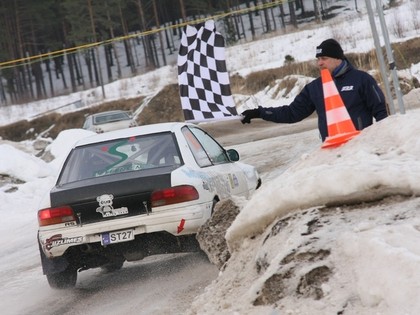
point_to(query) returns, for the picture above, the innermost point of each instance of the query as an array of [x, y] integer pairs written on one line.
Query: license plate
[[117, 237]]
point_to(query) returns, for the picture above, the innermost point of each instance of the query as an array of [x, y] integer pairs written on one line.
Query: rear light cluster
[[57, 215], [169, 196], [173, 195]]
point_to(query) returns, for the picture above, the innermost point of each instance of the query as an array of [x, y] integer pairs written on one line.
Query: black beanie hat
[[330, 48]]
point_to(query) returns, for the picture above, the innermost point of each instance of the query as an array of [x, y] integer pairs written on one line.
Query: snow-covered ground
[[348, 214], [351, 28]]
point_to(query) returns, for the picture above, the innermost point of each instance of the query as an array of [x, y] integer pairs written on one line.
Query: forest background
[[55, 47], [63, 107]]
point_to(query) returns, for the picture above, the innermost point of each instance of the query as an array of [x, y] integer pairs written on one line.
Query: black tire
[[215, 201], [63, 280]]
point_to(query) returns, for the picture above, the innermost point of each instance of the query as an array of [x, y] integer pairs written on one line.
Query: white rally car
[[127, 194]]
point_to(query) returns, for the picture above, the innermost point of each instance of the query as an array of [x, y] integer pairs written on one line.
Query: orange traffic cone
[[340, 126]]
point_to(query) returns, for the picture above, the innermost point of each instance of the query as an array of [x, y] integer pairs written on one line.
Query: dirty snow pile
[[336, 233]]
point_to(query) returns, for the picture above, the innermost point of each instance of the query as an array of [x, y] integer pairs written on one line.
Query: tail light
[[173, 195], [57, 215]]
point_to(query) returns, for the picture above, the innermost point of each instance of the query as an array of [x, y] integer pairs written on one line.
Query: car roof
[[128, 132]]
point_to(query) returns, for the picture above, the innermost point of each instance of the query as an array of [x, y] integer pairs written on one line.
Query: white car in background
[[127, 194], [108, 121]]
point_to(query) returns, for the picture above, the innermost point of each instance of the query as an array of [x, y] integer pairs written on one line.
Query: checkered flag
[[202, 76]]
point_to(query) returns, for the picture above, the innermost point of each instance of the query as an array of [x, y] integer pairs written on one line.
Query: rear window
[[120, 156], [110, 117]]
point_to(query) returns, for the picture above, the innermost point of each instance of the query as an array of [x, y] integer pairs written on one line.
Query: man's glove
[[250, 114]]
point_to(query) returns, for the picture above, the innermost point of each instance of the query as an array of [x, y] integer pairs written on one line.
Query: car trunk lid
[[111, 198]]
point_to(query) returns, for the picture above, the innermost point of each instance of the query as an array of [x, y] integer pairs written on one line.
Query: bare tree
[[111, 32], [147, 43], [293, 19], [251, 20], [155, 11], [99, 70], [183, 12], [318, 17]]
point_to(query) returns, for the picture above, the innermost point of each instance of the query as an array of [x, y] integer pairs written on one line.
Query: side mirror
[[233, 155]]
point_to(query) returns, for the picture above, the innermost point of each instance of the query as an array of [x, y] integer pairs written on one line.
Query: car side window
[[213, 150], [86, 125], [196, 148]]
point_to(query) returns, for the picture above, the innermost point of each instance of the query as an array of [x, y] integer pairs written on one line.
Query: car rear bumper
[[55, 241]]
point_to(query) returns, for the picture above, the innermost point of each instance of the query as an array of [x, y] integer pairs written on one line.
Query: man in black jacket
[[359, 91]]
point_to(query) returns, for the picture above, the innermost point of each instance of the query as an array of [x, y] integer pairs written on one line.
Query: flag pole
[[390, 57], [380, 56]]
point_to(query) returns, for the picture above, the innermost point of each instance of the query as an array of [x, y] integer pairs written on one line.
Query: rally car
[[127, 194]]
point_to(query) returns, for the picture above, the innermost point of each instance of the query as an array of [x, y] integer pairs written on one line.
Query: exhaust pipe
[[86, 248]]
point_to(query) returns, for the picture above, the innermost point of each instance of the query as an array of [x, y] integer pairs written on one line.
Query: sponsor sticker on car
[[106, 208]]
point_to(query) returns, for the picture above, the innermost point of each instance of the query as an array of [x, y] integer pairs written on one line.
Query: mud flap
[[53, 265]]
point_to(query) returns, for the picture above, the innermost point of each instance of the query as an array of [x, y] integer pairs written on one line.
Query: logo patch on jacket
[[347, 88]]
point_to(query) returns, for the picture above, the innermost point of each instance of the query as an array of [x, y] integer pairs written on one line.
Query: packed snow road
[[156, 285], [165, 284]]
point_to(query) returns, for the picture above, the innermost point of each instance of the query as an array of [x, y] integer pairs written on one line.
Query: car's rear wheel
[[215, 201], [63, 280]]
